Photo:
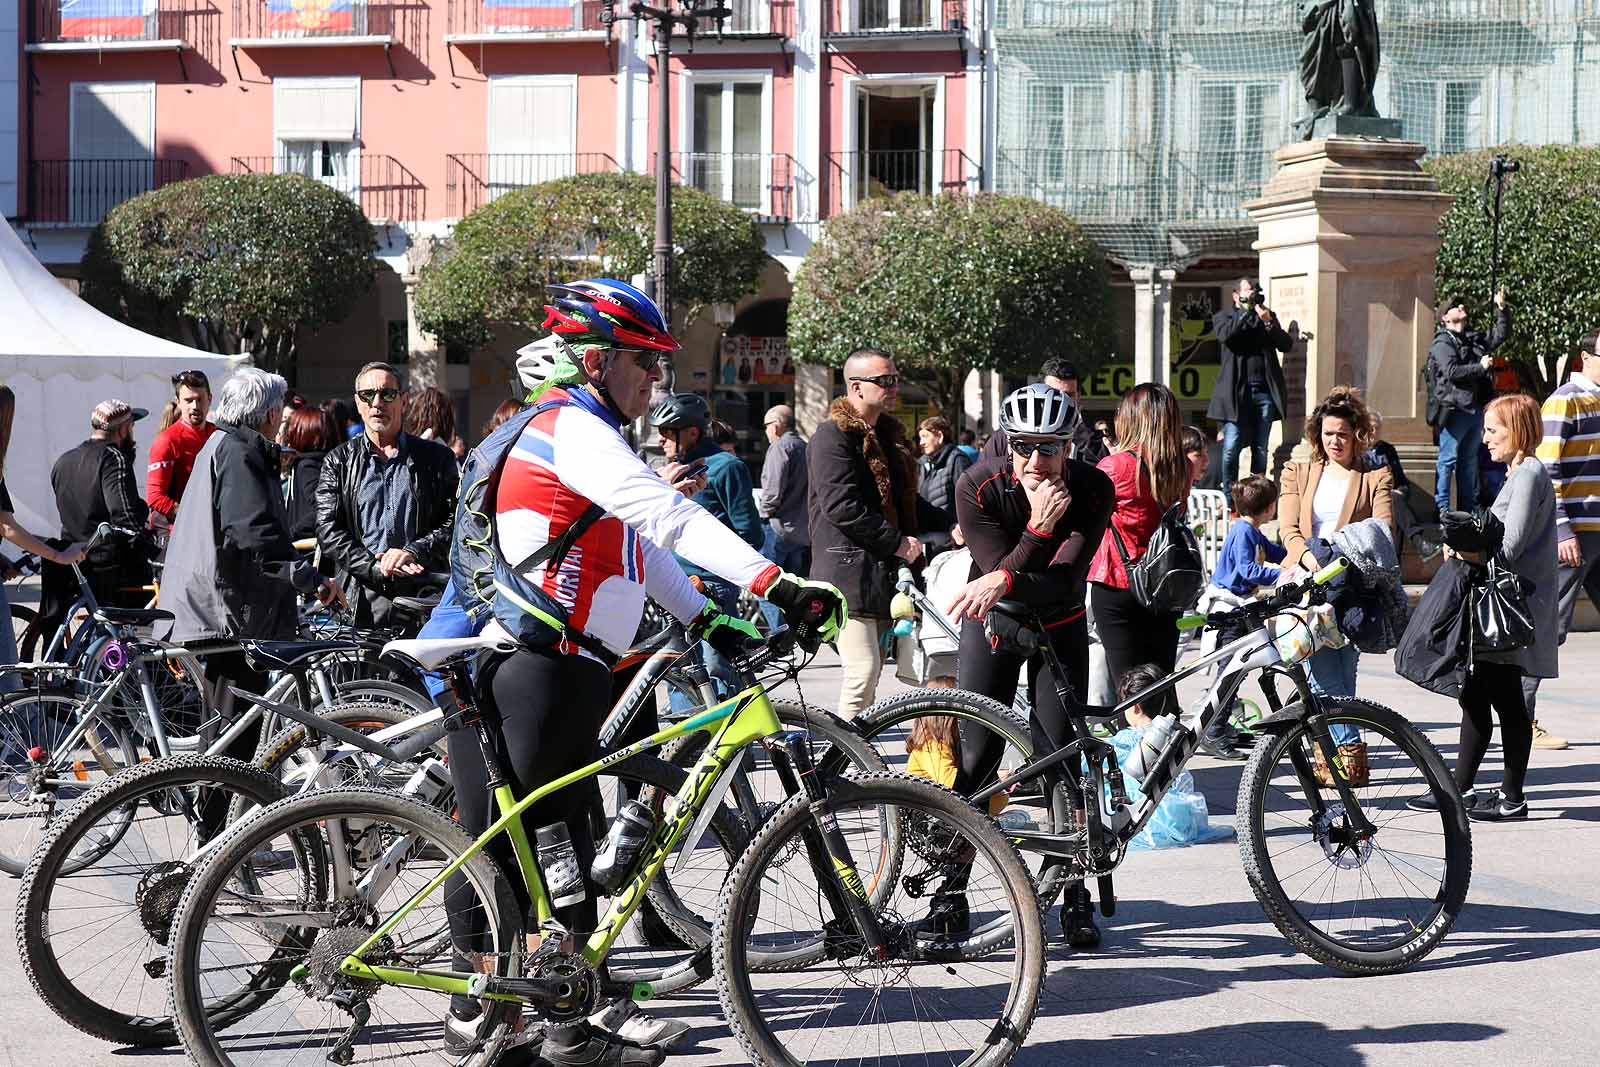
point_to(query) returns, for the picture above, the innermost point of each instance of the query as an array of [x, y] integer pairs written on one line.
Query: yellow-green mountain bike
[[332, 909]]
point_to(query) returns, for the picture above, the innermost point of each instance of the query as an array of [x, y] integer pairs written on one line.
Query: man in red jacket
[[173, 452]]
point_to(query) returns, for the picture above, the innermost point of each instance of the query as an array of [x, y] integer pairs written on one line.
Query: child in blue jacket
[[1248, 562]]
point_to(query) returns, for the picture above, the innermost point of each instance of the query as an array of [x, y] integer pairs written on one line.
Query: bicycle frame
[[1251, 652], [742, 719]]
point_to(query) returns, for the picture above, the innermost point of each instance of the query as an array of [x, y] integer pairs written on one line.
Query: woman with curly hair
[[1317, 498]]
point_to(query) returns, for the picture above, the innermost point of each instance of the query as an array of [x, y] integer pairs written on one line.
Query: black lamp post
[[664, 18]]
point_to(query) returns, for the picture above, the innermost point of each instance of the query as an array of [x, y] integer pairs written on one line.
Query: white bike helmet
[[536, 362], [1038, 411]]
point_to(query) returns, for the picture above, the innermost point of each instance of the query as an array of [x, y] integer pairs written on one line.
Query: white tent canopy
[[61, 357]]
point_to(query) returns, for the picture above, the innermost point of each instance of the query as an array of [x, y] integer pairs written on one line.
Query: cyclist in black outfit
[[1032, 522]]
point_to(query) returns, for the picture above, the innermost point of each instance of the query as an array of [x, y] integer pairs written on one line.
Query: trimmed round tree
[[493, 270], [950, 284], [217, 261], [1550, 215]]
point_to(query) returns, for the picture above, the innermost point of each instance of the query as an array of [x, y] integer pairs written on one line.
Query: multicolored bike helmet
[[607, 312]]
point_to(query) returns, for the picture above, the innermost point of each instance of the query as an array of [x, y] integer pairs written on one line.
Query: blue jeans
[[1458, 455], [722, 673], [1252, 429], [1333, 674], [792, 558], [446, 621], [9, 682]]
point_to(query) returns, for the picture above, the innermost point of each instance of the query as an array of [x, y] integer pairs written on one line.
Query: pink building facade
[[423, 110]]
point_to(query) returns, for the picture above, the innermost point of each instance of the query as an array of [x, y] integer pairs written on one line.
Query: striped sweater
[[1570, 451]]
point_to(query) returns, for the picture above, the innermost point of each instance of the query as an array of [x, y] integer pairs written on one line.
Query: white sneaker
[[633, 1024]]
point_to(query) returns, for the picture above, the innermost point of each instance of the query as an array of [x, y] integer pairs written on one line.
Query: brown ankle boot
[[1352, 758]]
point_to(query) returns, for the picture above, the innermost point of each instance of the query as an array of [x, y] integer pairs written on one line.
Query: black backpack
[[1171, 574]]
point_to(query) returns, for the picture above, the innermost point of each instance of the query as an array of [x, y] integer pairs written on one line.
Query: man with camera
[[1459, 368], [1250, 394]]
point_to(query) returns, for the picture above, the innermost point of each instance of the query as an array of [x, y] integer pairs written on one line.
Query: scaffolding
[[1154, 121]]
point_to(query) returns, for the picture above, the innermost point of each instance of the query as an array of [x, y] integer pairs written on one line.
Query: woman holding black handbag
[[1526, 506], [1150, 474]]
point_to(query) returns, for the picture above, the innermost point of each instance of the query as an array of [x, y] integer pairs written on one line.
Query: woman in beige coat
[[1316, 498]]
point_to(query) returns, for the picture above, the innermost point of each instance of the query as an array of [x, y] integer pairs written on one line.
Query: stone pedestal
[[1349, 228]]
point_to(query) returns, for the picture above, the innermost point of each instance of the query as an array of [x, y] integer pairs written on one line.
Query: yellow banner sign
[[1193, 382]]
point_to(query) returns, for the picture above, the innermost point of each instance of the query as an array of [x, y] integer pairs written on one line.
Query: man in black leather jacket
[[386, 501]]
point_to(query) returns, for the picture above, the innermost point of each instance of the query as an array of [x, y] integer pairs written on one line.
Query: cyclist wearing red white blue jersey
[[571, 470]]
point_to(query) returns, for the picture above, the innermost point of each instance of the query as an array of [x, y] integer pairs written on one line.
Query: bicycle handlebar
[[1283, 597]]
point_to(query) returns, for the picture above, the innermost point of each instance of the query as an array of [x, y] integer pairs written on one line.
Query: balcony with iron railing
[[287, 23], [1136, 184], [1097, 15], [1470, 13], [1234, 16], [761, 183], [118, 26], [473, 179], [860, 175], [884, 19], [504, 21], [385, 190], [79, 192], [751, 18]]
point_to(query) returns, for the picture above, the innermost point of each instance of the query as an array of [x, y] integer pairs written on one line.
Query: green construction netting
[[1153, 121]]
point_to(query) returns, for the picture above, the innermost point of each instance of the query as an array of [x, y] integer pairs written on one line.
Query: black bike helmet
[[1038, 411], [680, 411]]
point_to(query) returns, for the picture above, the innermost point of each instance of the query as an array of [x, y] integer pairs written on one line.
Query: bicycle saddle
[[433, 653], [132, 616], [286, 655], [421, 606]]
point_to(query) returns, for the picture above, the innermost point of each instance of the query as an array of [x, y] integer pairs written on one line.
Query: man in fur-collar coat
[[862, 504]]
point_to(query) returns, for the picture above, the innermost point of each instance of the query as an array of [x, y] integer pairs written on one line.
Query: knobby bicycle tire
[[46, 873], [1264, 878], [436, 832], [751, 879]]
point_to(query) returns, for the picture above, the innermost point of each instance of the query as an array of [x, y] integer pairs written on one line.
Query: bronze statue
[[1338, 58]]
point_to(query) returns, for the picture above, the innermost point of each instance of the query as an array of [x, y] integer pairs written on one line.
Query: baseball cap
[[111, 413]]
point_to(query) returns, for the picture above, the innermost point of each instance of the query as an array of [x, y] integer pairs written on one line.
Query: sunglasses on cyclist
[[368, 396], [646, 359], [191, 379], [1047, 449], [882, 381]]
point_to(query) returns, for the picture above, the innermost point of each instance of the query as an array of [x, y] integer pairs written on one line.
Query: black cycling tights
[[994, 674], [550, 707]]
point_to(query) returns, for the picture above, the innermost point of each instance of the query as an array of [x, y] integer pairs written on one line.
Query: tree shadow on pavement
[[1259, 1044]]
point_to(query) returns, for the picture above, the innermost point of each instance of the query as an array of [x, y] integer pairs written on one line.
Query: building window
[[317, 129], [1067, 137], [1240, 126], [729, 133], [532, 130], [113, 146], [1446, 116], [897, 14]]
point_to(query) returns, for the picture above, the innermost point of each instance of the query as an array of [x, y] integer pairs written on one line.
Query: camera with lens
[[1503, 165], [1256, 299]]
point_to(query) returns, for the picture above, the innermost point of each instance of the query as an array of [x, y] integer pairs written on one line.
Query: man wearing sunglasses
[[1032, 522], [862, 500], [385, 501], [173, 451]]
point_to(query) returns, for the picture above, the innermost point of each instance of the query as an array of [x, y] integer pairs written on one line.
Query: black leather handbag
[[1502, 620]]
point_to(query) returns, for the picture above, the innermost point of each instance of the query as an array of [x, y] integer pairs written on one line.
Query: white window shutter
[[316, 112]]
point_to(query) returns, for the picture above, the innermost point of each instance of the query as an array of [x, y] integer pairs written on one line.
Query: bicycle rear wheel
[[266, 916], [93, 935], [1361, 904], [40, 775], [928, 1000]]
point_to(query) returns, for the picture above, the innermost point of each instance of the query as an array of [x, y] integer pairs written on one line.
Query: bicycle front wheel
[[1360, 903], [929, 998]]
